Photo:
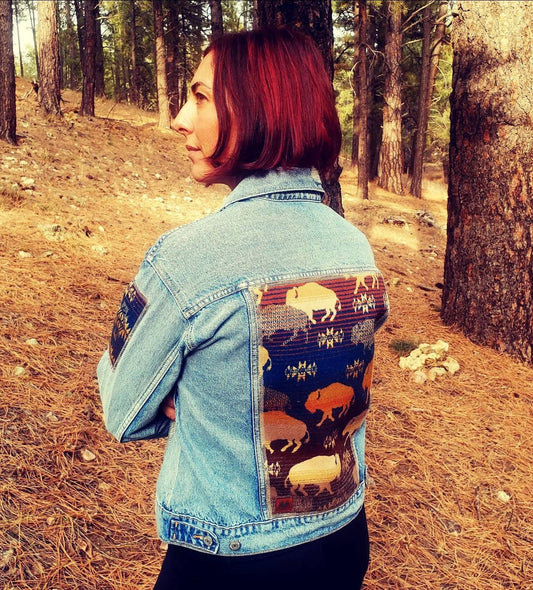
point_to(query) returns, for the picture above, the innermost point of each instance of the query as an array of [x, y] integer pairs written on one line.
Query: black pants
[[341, 557]]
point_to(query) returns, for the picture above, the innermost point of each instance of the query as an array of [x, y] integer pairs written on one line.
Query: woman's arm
[[138, 373]]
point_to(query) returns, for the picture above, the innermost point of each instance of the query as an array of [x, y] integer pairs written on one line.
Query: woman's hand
[[168, 408]]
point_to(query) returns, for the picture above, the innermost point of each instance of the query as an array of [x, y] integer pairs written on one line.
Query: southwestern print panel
[[315, 362], [130, 310]]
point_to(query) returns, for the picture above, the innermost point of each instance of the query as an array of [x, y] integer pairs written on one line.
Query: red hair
[[275, 104]]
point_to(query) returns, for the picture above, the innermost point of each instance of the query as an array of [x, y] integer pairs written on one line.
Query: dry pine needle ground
[[449, 501]]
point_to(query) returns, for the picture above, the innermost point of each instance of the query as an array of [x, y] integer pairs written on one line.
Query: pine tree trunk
[[255, 11], [99, 73], [8, 117], [173, 59], [80, 28], [69, 52], [332, 187], [376, 46], [437, 42], [122, 74], [217, 28], [49, 85], [431, 50], [185, 64], [355, 84], [31, 13], [424, 101], [134, 95], [488, 272], [161, 66], [21, 65], [362, 159], [391, 160], [89, 73]]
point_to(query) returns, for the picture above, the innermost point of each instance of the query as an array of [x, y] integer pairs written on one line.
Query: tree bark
[[161, 66], [255, 11], [375, 87], [99, 72], [173, 59], [89, 72], [419, 142], [430, 60], [121, 60], [217, 27], [362, 159], [134, 94], [488, 270], [69, 52], [49, 84], [185, 64], [8, 116], [355, 83], [31, 13], [80, 29], [391, 161], [21, 65]]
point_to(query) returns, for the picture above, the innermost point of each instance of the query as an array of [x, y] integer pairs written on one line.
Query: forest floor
[[449, 503]]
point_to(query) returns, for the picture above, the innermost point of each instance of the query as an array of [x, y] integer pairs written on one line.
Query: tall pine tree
[[488, 270], [48, 48], [8, 117]]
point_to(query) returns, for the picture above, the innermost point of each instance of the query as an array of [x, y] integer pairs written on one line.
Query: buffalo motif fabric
[[315, 363]]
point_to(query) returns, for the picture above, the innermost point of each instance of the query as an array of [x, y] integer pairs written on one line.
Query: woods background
[[113, 47], [391, 67]]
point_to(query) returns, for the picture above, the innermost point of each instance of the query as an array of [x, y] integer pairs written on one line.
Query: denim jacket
[[259, 319]]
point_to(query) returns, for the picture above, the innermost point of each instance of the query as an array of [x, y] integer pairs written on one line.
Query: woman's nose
[[182, 123]]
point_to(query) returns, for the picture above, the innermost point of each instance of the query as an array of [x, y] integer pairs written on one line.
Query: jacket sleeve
[[143, 361]]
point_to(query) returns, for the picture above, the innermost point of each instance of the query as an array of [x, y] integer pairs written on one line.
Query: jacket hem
[[254, 537]]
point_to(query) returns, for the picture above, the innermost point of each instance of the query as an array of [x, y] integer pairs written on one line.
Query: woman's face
[[197, 121]]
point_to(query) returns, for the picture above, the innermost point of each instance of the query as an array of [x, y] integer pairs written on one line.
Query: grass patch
[[11, 196], [402, 347]]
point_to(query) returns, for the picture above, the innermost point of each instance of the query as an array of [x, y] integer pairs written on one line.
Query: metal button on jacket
[[208, 541]]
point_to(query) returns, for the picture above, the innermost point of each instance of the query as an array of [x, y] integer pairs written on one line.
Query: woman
[[247, 337]]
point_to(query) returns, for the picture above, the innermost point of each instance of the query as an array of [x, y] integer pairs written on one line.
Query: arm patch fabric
[[131, 309]]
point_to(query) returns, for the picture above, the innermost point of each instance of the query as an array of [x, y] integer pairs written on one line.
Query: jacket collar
[[296, 184]]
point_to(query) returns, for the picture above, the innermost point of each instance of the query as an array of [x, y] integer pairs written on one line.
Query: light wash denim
[[260, 320]]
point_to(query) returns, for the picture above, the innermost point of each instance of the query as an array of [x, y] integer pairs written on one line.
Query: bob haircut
[[274, 102]]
